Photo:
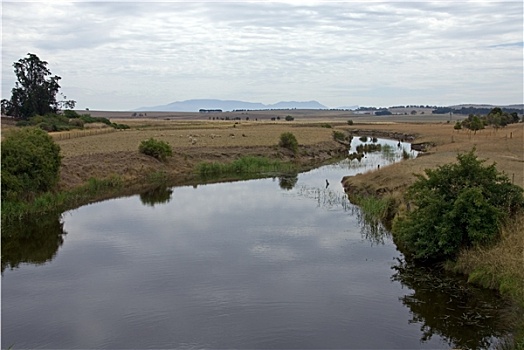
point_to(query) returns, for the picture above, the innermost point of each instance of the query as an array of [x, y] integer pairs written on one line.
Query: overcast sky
[[121, 56]]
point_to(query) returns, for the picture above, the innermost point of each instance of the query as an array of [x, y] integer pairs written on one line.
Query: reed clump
[[243, 165]]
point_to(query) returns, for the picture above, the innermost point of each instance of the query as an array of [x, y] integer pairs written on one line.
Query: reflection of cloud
[[273, 253]]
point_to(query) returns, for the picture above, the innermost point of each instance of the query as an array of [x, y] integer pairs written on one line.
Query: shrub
[[289, 141], [289, 118], [338, 136], [155, 148], [76, 122], [30, 163], [456, 206], [350, 122]]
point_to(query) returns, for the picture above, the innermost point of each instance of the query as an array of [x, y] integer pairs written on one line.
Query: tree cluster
[[496, 118]]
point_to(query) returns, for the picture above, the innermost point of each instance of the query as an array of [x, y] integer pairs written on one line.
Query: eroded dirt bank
[[134, 168]]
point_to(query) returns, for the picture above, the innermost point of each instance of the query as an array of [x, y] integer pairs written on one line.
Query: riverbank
[[500, 266]]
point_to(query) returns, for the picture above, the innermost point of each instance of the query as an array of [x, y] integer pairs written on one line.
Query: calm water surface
[[271, 263]]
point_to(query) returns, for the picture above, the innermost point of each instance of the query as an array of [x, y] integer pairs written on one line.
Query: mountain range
[[229, 105]]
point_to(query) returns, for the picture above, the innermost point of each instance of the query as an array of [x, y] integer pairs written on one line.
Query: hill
[[229, 105]]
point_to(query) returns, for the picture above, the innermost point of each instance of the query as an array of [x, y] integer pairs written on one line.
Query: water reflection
[[446, 306], [33, 242], [371, 229], [158, 195], [288, 181]]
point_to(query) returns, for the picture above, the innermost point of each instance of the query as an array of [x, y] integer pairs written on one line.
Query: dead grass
[[501, 266], [184, 135]]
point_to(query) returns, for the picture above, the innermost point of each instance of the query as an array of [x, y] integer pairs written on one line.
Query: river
[[284, 262]]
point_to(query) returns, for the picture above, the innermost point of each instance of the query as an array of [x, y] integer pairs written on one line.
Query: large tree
[[35, 91]]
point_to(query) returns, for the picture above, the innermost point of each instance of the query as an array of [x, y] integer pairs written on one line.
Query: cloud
[[158, 52]]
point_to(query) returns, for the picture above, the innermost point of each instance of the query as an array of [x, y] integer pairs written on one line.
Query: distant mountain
[[228, 105], [355, 107]]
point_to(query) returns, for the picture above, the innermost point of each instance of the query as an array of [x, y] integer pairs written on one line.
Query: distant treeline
[[474, 110]]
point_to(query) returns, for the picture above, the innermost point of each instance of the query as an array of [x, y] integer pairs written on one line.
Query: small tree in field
[[456, 206], [30, 163], [289, 141], [35, 92], [156, 148]]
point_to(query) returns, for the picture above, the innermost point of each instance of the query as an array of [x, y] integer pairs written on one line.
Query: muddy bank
[[135, 168]]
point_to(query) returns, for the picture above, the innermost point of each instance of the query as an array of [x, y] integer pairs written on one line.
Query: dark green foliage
[[456, 206], [30, 164], [363, 138], [339, 136], [368, 148], [350, 122], [289, 141], [496, 118], [289, 118], [35, 91], [473, 123], [156, 148]]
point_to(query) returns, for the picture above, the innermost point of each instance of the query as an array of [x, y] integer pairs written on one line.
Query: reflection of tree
[[288, 181], [31, 242], [158, 195], [465, 316]]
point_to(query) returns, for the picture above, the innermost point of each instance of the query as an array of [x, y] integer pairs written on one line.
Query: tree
[[289, 141], [30, 163], [456, 206], [156, 148], [35, 91]]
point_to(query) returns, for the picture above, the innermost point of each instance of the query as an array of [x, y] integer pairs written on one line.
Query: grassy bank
[[58, 202], [244, 165]]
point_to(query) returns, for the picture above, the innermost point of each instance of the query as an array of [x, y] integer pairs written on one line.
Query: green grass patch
[[243, 165], [375, 208], [57, 202]]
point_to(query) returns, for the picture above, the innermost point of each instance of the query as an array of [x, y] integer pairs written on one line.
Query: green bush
[[76, 122], [338, 136], [289, 141], [30, 163], [289, 118], [456, 206], [350, 122], [155, 148]]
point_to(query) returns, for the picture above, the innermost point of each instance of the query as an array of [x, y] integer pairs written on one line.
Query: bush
[[350, 122], [76, 122], [456, 206], [339, 136], [155, 148], [289, 118], [30, 163], [289, 141]]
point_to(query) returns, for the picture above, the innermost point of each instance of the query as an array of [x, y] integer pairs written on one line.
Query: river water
[[282, 262]]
